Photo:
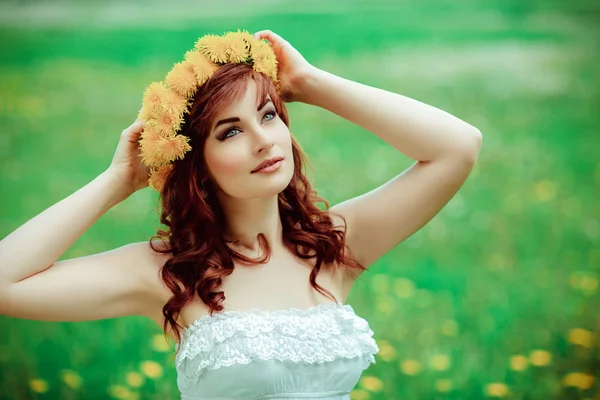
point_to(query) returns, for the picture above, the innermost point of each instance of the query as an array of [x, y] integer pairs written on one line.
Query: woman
[[251, 277]]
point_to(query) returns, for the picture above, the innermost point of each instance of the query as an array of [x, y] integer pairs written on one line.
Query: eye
[[226, 135], [268, 116], [272, 113]]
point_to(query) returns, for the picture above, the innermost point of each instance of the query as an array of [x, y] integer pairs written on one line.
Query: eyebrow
[[236, 119]]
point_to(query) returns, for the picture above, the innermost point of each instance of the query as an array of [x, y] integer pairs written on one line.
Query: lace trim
[[318, 334]]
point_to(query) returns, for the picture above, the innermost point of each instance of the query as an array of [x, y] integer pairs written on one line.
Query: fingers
[[270, 36], [133, 132]]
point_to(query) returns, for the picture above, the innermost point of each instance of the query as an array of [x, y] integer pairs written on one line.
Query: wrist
[[116, 191], [306, 83]]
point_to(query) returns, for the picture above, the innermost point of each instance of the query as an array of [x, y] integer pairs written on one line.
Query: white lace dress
[[317, 353]]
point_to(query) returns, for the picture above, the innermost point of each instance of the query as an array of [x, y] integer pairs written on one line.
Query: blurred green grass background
[[497, 297]]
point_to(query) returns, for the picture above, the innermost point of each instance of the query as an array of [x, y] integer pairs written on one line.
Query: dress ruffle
[[318, 334]]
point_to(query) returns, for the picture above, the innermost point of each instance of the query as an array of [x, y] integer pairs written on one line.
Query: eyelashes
[[226, 135]]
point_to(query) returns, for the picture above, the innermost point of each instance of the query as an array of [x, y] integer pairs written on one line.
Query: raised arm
[[445, 149], [33, 285]]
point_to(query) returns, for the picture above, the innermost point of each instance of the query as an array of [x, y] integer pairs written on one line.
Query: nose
[[263, 140]]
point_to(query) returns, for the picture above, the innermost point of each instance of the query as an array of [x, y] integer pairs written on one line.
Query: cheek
[[228, 166], [225, 165]]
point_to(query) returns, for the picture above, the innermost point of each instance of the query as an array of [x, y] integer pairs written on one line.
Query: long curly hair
[[195, 220]]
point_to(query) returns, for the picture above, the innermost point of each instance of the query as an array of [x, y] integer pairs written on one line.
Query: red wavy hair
[[195, 220]]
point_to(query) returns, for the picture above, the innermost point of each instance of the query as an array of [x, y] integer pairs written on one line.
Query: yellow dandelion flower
[[380, 283], [267, 66], [443, 385], [440, 362], [159, 343], [119, 392], [71, 378], [173, 148], [214, 47], [545, 190], [203, 67], [386, 351], [404, 288], [359, 394], [149, 151], [238, 46], [153, 96], [540, 358], [241, 35], [39, 385], [371, 383], [496, 389], [264, 59], [151, 369], [147, 114], [176, 104], [158, 177], [134, 379], [182, 79], [385, 304], [589, 284], [449, 328], [410, 367], [261, 49], [581, 337], [165, 123], [518, 362], [578, 380]]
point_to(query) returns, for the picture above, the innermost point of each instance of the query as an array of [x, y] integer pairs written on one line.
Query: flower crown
[[165, 103]]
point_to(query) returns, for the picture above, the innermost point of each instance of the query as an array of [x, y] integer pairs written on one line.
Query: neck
[[246, 218]]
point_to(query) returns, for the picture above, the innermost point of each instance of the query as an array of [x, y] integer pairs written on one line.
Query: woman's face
[[242, 135]]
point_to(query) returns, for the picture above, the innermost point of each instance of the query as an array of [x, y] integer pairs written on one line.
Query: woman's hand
[[126, 164], [292, 66]]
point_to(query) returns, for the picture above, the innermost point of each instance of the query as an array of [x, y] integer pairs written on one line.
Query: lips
[[266, 163]]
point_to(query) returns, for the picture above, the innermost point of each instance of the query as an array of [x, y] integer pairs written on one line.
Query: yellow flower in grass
[[581, 337], [371, 383], [449, 328], [71, 378], [202, 67], [440, 362], [134, 379], [158, 177], [160, 343], [540, 358], [151, 369], [496, 389], [578, 380], [518, 362], [410, 367], [119, 392], [39, 385], [214, 47], [386, 351], [182, 79], [359, 394], [443, 385], [404, 288]]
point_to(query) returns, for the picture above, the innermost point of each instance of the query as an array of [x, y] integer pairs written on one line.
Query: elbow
[[471, 146]]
